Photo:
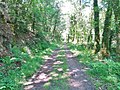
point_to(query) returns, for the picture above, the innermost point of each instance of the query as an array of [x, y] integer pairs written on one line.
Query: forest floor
[[61, 71]]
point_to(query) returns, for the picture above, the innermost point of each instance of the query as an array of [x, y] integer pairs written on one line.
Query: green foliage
[[40, 17], [77, 46], [21, 66], [105, 73]]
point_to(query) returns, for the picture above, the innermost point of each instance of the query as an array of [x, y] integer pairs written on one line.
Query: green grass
[[104, 73], [11, 76]]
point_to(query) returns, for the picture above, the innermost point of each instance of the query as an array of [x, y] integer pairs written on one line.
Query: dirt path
[[37, 81], [78, 79]]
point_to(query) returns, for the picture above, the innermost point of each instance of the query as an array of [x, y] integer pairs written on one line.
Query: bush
[[105, 73], [20, 65], [108, 72]]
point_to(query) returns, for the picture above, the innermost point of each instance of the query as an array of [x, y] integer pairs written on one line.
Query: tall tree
[[116, 9], [106, 32], [96, 26]]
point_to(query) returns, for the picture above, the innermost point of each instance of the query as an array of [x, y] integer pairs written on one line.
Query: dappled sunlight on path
[[78, 79], [55, 68], [50, 71], [43, 75]]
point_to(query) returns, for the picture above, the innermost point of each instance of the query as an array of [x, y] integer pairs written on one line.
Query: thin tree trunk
[[89, 37], [96, 26], [33, 23], [110, 40], [68, 38]]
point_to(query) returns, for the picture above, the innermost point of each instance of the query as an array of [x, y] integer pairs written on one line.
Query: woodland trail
[[77, 79]]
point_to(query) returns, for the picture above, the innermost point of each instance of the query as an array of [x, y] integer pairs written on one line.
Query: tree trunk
[[106, 32], [96, 26], [89, 37], [5, 31], [68, 38], [110, 40], [33, 23], [116, 8]]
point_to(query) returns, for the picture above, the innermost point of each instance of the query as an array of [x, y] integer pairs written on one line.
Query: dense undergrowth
[[104, 73], [15, 69]]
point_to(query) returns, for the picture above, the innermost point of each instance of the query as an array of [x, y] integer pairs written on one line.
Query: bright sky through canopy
[[68, 9]]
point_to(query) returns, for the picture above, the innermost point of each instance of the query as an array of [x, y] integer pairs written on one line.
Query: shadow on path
[[42, 76], [78, 79]]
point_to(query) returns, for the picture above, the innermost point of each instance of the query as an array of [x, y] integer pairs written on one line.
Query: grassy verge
[[21, 65], [59, 74], [105, 73]]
